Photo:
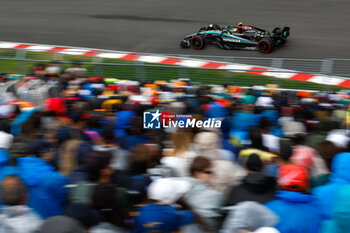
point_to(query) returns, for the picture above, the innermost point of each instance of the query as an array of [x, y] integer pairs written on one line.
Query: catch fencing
[[22, 62], [329, 66]]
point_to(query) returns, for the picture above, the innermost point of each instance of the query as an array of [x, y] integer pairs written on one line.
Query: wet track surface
[[319, 28]]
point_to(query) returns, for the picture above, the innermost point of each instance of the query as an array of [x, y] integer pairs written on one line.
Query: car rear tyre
[[265, 45], [198, 42]]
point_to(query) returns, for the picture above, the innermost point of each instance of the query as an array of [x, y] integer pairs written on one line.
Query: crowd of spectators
[[78, 158]]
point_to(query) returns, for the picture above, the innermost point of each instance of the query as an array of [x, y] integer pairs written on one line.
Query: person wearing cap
[[265, 100], [295, 207], [326, 194], [256, 186], [340, 138], [159, 213], [257, 147]]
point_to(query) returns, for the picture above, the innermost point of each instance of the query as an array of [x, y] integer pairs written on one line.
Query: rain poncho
[[326, 195]]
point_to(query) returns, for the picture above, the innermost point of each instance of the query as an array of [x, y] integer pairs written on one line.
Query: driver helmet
[[240, 24], [212, 26]]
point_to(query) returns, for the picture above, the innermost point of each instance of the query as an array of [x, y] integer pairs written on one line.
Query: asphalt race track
[[319, 28]]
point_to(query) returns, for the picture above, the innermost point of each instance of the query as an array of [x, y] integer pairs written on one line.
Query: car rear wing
[[281, 32]]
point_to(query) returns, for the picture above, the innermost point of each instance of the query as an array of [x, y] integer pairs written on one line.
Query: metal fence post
[[327, 66], [278, 64], [98, 70], [58, 57], [229, 76], [182, 72], [21, 61], [140, 71]]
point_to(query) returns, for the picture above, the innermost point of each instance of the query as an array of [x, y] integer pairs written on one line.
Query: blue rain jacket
[[297, 212], [46, 187], [340, 221]]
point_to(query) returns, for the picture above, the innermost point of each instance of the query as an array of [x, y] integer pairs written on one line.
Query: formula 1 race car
[[240, 37]]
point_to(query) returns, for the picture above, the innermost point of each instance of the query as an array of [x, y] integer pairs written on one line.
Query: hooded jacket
[[204, 200], [19, 219], [243, 121], [326, 195], [105, 227], [255, 187], [123, 119], [46, 187], [61, 224], [248, 215], [340, 221], [297, 212]]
